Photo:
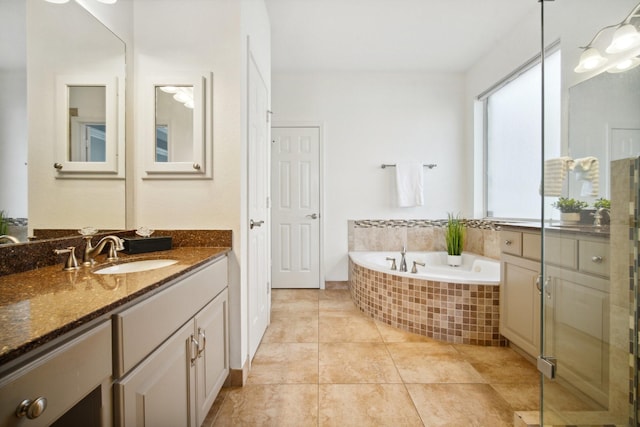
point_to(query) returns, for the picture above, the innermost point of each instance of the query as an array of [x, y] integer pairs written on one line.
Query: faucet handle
[[414, 269], [71, 263], [393, 263], [118, 245]]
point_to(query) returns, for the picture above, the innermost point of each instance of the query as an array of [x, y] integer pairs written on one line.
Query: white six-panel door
[[295, 214]]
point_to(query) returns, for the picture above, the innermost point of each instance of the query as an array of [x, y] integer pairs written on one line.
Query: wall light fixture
[[621, 53]]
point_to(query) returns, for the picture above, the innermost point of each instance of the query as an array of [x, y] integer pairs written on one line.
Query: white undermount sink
[[136, 266]]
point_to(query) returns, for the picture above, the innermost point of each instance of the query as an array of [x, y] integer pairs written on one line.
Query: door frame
[[321, 129]]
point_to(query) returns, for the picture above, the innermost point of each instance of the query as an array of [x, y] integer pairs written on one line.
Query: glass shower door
[[589, 283]]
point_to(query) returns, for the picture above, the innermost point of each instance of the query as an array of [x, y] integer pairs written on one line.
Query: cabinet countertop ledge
[[41, 305]]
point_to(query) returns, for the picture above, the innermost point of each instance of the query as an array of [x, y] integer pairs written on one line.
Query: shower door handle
[[312, 216]]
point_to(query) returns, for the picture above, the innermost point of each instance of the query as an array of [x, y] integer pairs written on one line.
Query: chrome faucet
[[10, 239], [403, 261], [115, 244], [597, 216], [414, 269]]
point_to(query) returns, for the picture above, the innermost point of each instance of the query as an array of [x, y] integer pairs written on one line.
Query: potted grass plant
[[454, 236], [3, 223], [569, 209]]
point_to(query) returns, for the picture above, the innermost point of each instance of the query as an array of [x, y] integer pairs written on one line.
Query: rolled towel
[[409, 184], [555, 171], [587, 170]]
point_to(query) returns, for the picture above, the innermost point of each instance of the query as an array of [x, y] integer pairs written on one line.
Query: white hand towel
[[587, 171], [409, 184], [555, 171]]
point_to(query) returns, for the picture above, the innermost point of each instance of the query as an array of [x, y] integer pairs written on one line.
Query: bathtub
[[452, 304], [475, 269]]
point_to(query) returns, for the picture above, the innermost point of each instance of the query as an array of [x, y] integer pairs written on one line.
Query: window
[[512, 114]]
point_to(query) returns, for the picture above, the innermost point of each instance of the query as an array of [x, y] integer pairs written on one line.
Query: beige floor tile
[[361, 405], [337, 300], [500, 364], [347, 327], [288, 326], [521, 397], [391, 334], [345, 363], [432, 363], [460, 405], [294, 405], [285, 363]]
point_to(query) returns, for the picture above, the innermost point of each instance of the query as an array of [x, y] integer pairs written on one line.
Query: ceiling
[[433, 35]]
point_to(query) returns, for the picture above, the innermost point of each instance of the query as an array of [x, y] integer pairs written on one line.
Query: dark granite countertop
[[40, 305], [556, 227]]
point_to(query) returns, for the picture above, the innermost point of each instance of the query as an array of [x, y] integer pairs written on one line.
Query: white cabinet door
[[156, 393], [212, 365]]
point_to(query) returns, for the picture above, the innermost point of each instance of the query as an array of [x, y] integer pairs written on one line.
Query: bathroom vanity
[[78, 345], [576, 301]]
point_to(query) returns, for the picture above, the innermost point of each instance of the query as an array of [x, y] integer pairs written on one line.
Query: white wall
[[214, 39], [371, 118]]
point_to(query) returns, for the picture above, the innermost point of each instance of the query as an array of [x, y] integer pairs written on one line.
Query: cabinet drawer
[[531, 246], [594, 257], [561, 251], [63, 377], [511, 242], [143, 327]]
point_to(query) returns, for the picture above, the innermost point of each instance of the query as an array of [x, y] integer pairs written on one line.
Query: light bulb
[[590, 60], [624, 65], [625, 38]]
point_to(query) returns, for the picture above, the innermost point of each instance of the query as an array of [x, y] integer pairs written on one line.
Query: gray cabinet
[[577, 312], [173, 370], [520, 295], [72, 380]]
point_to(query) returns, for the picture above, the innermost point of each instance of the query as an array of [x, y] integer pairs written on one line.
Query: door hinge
[[547, 365], [269, 113]]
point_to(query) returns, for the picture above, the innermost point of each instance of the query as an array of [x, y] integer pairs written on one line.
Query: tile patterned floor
[[323, 363]]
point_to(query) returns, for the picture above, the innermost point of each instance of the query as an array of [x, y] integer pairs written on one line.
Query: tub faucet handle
[[414, 269], [393, 262]]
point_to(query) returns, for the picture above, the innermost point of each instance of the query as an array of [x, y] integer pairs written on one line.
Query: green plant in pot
[[569, 209], [602, 203], [454, 237], [3, 224]]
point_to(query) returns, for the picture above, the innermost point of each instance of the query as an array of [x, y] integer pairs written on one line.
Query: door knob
[[312, 216], [253, 223]]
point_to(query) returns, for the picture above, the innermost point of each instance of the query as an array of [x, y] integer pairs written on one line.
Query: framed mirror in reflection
[[87, 124]]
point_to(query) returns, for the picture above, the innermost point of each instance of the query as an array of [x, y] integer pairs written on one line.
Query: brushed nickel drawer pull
[[32, 409], [597, 259], [507, 242]]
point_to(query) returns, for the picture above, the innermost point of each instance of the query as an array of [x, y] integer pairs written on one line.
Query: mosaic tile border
[[413, 223], [450, 312]]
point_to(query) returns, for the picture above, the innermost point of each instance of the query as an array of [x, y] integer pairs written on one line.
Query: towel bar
[[430, 166]]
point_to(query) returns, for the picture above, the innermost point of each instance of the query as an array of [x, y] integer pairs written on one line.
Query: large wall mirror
[[603, 123], [65, 42]]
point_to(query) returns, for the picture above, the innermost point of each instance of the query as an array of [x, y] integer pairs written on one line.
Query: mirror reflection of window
[[87, 118], [162, 143], [174, 124]]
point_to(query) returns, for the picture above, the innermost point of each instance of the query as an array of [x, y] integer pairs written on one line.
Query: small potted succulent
[[454, 236], [569, 209]]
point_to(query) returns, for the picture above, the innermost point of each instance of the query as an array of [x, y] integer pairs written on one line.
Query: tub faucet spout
[[403, 261]]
